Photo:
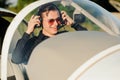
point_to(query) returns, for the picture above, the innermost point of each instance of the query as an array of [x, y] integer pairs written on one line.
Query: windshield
[[100, 14]]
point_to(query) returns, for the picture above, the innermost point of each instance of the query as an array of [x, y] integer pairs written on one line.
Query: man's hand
[[68, 20], [34, 20]]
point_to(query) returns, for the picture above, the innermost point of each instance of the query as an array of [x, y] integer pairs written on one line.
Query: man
[[50, 18]]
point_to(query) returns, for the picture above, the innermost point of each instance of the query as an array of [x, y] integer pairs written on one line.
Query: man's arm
[[78, 27], [19, 53]]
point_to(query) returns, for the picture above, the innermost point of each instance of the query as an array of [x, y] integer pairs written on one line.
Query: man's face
[[51, 20]]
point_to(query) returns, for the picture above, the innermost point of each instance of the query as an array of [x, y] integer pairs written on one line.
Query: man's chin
[[55, 32]]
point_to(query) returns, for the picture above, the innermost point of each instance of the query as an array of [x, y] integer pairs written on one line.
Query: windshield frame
[[104, 19]]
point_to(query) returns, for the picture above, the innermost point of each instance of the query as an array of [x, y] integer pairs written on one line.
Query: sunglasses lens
[[51, 21]]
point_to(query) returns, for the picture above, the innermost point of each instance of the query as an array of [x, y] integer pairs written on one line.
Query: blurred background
[[16, 5]]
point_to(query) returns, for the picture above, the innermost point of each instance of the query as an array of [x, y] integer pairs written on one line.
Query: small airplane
[[75, 55]]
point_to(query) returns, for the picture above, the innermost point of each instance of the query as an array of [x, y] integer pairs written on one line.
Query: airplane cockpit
[[75, 55]]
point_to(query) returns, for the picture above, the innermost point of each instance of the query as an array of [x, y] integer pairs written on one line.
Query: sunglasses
[[51, 21]]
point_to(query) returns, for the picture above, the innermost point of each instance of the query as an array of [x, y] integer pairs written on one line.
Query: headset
[[46, 7]]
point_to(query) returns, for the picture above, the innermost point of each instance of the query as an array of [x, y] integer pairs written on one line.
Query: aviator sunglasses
[[51, 21]]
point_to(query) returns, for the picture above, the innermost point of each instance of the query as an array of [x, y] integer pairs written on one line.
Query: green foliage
[[23, 3], [20, 5], [68, 9]]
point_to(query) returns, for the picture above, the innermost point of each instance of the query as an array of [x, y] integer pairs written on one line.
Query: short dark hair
[[47, 7]]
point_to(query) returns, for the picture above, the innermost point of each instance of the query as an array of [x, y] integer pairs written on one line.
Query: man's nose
[[55, 22]]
